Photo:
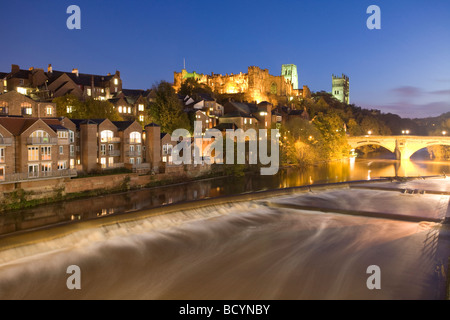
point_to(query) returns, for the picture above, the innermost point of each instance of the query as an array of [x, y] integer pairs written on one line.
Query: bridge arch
[[415, 149], [385, 142]]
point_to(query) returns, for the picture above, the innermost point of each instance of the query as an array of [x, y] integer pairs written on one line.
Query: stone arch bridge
[[403, 146]]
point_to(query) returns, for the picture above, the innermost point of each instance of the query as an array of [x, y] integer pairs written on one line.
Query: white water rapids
[[237, 251]]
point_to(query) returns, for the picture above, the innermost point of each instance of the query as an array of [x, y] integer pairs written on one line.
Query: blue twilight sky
[[403, 68]]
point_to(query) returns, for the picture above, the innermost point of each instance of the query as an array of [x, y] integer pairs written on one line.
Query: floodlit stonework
[[256, 85]]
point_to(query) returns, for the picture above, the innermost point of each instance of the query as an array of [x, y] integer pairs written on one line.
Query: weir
[[311, 242]]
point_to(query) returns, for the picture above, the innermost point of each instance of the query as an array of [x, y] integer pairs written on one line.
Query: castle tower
[[341, 88], [289, 71]]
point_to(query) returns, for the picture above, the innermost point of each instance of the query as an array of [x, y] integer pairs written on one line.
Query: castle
[[256, 85]]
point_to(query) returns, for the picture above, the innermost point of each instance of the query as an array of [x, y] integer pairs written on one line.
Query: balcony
[[110, 140], [42, 141], [133, 153], [114, 153], [5, 141], [133, 141], [17, 177]]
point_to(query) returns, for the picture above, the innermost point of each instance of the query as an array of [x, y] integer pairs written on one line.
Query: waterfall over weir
[[299, 244]]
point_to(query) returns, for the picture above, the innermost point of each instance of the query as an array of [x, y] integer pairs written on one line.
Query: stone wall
[[58, 189]]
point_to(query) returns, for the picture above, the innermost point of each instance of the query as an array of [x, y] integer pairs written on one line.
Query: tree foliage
[[167, 111], [69, 106]]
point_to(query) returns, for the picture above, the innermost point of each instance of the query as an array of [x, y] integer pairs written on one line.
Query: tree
[[191, 87], [167, 111], [96, 109], [69, 106]]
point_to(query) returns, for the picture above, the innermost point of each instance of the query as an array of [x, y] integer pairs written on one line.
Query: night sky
[[403, 68]]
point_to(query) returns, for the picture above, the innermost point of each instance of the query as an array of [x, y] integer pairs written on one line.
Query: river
[[236, 251], [332, 172]]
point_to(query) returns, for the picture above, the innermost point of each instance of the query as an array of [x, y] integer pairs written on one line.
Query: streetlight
[[407, 131], [369, 132], [444, 133]]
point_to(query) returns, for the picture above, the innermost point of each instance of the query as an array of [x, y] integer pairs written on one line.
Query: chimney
[[14, 68], [50, 69], [118, 73], [75, 71]]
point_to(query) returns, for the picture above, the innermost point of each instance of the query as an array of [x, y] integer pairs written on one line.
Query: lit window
[[141, 118], [33, 154], [135, 137], [2, 155], [120, 109], [62, 165], [22, 90], [250, 121], [106, 135], [129, 109], [69, 109], [89, 93], [49, 110], [103, 162], [72, 163], [116, 81], [2, 173], [245, 121], [141, 107], [26, 109], [103, 149], [46, 153], [46, 167], [63, 134]]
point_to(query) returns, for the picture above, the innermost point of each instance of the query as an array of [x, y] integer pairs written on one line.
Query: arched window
[[39, 134], [273, 88], [106, 135], [135, 137]]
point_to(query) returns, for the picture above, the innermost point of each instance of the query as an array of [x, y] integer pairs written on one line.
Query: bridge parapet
[[403, 146]]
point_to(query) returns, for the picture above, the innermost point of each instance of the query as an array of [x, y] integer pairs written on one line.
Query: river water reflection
[[339, 171]]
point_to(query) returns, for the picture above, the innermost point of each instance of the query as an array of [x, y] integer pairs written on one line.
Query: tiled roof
[[122, 125], [80, 79]]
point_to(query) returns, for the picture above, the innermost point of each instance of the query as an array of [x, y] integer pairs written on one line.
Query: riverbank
[[31, 194]]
